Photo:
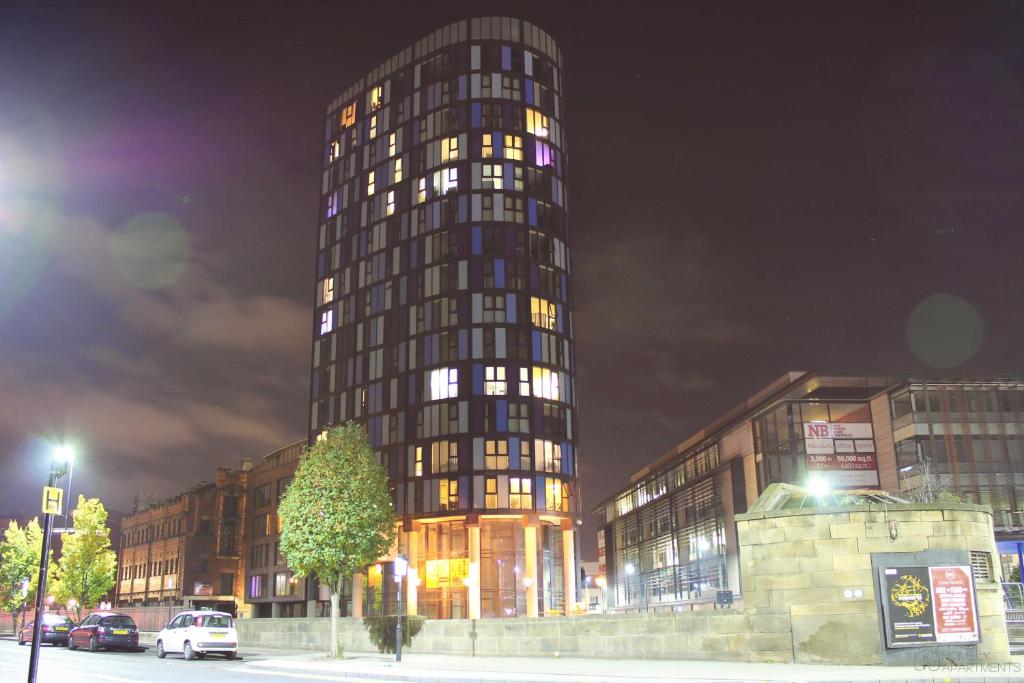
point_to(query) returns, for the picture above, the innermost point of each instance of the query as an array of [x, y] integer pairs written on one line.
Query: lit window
[[371, 183], [491, 492], [556, 495], [449, 180], [549, 455], [335, 150], [376, 97], [543, 155], [326, 321], [449, 494], [444, 383], [391, 202], [525, 459], [524, 382], [398, 170], [536, 123], [494, 380], [392, 144], [487, 148], [373, 126], [543, 313], [348, 116], [418, 463], [421, 192], [520, 493], [545, 384], [491, 177], [450, 149], [444, 456], [328, 290], [496, 454], [514, 147]]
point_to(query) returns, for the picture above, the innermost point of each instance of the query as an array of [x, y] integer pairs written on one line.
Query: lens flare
[[945, 330], [152, 250]]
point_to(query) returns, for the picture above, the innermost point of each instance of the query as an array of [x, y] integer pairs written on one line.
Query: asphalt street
[[59, 665]]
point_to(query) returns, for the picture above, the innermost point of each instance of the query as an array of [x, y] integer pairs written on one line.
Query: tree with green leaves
[[19, 563], [336, 515], [87, 567]]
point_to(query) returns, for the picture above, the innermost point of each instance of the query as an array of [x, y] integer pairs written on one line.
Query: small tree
[[336, 515], [930, 488], [19, 561], [87, 567]]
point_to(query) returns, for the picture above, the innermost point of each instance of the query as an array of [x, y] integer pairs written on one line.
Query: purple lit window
[[332, 204], [543, 156]]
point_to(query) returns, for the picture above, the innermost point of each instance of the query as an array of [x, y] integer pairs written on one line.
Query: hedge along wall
[[802, 561]]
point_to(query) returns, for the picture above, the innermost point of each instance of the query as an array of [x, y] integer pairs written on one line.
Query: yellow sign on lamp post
[[53, 500]]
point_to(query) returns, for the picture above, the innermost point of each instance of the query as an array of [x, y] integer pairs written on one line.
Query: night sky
[[754, 187]]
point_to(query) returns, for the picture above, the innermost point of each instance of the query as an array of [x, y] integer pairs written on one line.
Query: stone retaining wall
[[734, 635]]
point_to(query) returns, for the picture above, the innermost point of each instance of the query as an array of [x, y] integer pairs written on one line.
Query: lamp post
[[60, 461], [401, 568]]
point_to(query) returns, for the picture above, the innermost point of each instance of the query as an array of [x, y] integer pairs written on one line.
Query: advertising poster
[[843, 453], [956, 615], [910, 619]]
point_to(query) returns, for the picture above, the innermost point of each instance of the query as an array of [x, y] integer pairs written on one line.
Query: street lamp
[[401, 569], [60, 463]]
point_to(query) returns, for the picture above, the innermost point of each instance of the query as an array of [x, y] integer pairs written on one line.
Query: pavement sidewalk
[[455, 669]]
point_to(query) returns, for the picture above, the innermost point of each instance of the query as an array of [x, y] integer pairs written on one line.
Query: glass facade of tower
[[444, 313]]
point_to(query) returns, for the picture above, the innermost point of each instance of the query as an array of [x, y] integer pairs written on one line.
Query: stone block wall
[[734, 635], [804, 561]]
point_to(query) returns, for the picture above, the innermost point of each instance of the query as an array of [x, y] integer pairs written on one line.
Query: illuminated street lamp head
[[64, 453]]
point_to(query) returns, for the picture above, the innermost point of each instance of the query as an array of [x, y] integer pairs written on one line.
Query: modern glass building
[[669, 538], [444, 315]]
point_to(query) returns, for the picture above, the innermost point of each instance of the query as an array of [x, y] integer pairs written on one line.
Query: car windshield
[[50, 619], [216, 621], [118, 622]]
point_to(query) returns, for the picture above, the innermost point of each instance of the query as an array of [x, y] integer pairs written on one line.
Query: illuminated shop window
[[490, 178], [444, 383], [449, 494], [326, 321], [348, 116], [444, 456], [514, 147], [545, 384], [371, 183], [391, 202], [376, 97], [494, 380], [491, 493], [536, 123], [542, 313], [524, 382], [520, 493], [328, 290], [496, 454], [487, 147], [450, 149], [392, 144]]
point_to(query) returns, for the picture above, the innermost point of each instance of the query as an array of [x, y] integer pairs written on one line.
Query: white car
[[197, 634]]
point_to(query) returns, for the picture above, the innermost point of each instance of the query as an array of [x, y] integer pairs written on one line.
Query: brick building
[[187, 550]]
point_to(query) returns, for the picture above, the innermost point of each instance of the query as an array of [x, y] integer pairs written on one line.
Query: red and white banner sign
[[956, 615], [842, 452]]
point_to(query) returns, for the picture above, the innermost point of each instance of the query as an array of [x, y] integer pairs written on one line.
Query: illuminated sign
[[842, 453]]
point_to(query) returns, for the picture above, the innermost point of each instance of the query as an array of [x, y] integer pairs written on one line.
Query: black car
[[108, 630], [54, 630]]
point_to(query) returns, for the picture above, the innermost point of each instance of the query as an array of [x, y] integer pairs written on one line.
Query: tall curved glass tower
[[444, 315]]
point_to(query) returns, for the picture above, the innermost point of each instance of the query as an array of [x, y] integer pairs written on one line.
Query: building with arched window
[[443, 315]]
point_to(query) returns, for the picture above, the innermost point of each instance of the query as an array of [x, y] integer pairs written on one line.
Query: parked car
[[197, 634], [54, 630], [108, 630]]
